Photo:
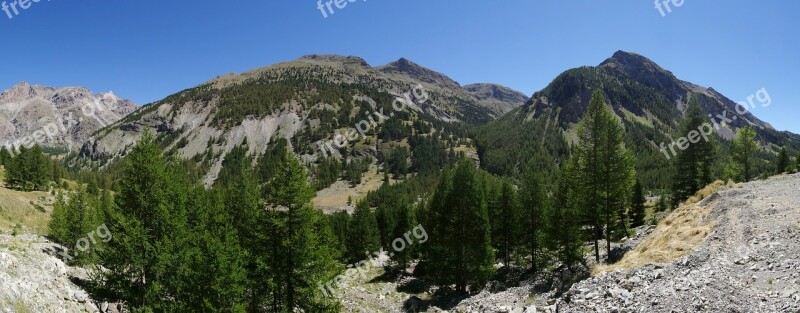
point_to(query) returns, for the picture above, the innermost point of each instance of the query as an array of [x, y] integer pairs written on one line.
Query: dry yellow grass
[[675, 236], [17, 208], [335, 197]]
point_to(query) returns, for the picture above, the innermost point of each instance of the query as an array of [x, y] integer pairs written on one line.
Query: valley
[[532, 203]]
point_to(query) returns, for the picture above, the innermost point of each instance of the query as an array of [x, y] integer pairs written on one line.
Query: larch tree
[[507, 230], [692, 166], [532, 214], [743, 148], [460, 249], [604, 170], [782, 164], [299, 260], [637, 209]]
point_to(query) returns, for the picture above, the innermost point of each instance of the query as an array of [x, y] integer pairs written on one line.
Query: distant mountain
[[57, 118], [306, 101], [497, 97], [649, 100]]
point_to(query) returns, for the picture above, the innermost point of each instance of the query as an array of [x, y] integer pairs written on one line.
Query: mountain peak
[[408, 68], [19, 91], [629, 60], [336, 58]]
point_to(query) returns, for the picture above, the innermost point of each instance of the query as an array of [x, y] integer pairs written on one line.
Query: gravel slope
[[749, 263]]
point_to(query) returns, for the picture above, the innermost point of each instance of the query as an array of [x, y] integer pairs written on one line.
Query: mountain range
[[309, 100]]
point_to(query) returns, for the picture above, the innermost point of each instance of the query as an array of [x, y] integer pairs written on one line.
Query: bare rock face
[[34, 279], [500, 98], [56, 117]]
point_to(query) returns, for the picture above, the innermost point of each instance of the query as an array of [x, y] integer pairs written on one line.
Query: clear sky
[[145, 50]]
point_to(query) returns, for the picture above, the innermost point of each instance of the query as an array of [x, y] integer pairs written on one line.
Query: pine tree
[[37, 168], [5, 156], [385, 215], [604, 171], [506, 222], [16, 175], [340, 225], [740, 166], [692, 166], [212, 255], [460, 250], [363, 237], [533, 214], [637, 210], [782, 165], [563, 235], [242, 200], [797, 163], [149, 223], [405, 222], [72, 220], [300, 260]]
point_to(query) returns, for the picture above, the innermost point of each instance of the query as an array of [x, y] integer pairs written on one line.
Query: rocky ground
[[33, 279], [749, 263]]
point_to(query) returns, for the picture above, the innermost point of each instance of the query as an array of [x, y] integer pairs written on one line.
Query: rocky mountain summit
[[56, 117], [499, 97]]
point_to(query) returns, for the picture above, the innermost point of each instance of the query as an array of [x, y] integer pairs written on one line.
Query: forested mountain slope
[[649, 100], [309, 101]]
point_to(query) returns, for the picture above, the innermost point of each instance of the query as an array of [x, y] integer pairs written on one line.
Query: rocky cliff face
[[56, 117]]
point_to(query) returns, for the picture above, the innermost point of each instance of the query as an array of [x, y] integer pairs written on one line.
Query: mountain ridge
[[57, 118]]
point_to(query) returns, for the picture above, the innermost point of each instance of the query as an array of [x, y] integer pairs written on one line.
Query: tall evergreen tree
[[692, 166], [460, 250], [782, 165], [506, 222], [340, 225], [5, 156], [149, 223], [743, 147], [637, 210], [299, 261], [242, 200], [797, 163], [604, 170], [563, 235], [212, 255], [405, 222], [533, 214], [363, 237]]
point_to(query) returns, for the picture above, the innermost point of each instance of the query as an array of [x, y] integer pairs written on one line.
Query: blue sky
[[145, 50]]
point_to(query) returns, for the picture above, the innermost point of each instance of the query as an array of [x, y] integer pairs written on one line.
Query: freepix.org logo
[[14, 8], [329, 7]]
